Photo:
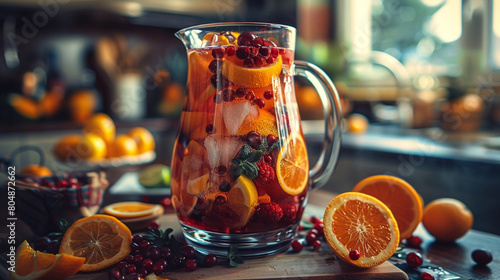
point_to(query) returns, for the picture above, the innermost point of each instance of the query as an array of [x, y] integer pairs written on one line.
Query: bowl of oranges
[[98, 145]]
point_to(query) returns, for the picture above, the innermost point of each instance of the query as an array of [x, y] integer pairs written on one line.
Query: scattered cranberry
[[129, 259], [130, 269], [148, 264], [230, 50], [218, 52], [259, 102], [270, 60], [268, 94], [154, 225], [319, 227], [316, 244], [158, 269], [246, 39], [268, 158], [210, 129], [122, 265], [248, 62], [143, 272], [354, 255], [414, 259], [242, 52], [228, 95], [414, 241], [271, 139], [137, 238], [220, 199], [138, 259], [187, 251], [214, 66], [152, 253], [250, 96], [426, 276], [240, 92], [311, 237], [115, 274], [165, 252], [314, 220], [144, 245], [210, 260], [224, 187], [297, 246], [191, 265], [482, 257], [254, 139]]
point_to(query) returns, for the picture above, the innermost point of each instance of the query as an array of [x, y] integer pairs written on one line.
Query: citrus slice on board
[[242, 199], [251, 77], [103, 240], [131, 209], [31, 264], [404, 202], [359, 223], [292, 165]]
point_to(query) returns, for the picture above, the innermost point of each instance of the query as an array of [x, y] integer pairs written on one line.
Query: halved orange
[[251, 77], [359, 222], [404, 202], [103, 240], [31, 264], [292, 165], [131, 209]]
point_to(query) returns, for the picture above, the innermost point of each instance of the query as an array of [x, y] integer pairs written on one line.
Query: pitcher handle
[[324, 167]]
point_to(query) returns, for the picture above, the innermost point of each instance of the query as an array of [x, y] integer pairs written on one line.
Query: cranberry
[[268, 94], [314, 220], [311, 237], [300, 228], [187, 251], [268, 158], [246, 39], [143, 272], [426, 276], [274, 52], [166, 202], [152, 253], [414, 259], [258, 61], [213, 81], [191, 265], [138, 259], [218, 52], [221, 170], [147, 263], [154, 225], [158, 269], [41, 243], [228, 95], [414, 241], [254, 52], [129, 259], [254, 139], [210, 260], [122, 265], [214, 66], [165, 252], [281, 51], [144, 245], [297, 246], [269, 44], [52, 247], [258, 42], [218, 98], [137, 238], [270, 60], [319, 227], [248, 62], [265, 52], [130, 269], [224, 187], [242, 52], [482, 257], [259, 102], [230, 50], [210, 129], [271, 139], [177, 261], [250, 96], [316, 244], [220, 199], [115, 274], [240, 92], [354, 255]]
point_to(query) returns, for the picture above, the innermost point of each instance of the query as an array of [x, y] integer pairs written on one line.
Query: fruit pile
[[99, 141]]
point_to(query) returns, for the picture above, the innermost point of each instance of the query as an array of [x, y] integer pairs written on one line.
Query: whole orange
[[36, 170], [447, 219], [66, 148], [357, 123], [91, 146], [143, 138], [123, 145], [101, 125]]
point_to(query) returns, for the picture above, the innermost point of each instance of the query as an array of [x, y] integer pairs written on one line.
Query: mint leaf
[[250, 169], [234, 260], [245, 150], [254, 156], [236, 170], [274, 146]]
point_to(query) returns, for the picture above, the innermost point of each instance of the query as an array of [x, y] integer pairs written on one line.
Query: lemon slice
[[198, 185], [131, 209], [242, 199], [251, 77], [155, 176]]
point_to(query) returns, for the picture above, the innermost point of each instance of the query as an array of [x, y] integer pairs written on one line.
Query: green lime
[[155, 176]]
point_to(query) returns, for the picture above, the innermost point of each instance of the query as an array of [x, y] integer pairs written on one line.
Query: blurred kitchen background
[[419, 80]]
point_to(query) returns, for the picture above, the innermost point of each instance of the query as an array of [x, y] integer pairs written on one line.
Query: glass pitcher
[[240, 169]]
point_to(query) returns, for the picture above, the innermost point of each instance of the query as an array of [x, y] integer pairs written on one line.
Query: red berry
[[224, 187], [187, 251], [248, 62], [268, 158], [138, 259], [289, 212], [268, 94], [426, 276], [228, 95], [314, 220], [316, 244], [210, 129], [266, 174], [414, 241], [274, 52], [319, 228], [166, 202], [269, 213], [265, 52], [259, 102], [311, 237], [214, 66], [115, 273], [258, 61], [143, 272], [147, 263], [123, 265], [165, 252], [210, 260], [218, 52], [354, 255], [297, 246], [254, 139], [158, 269], [482, 257], [137, 238], [130, 269], [250, 96], [242, 52], [230, 50], [300, 228], [414, 259], [129, 259], [154, 225], [257, 42], [220, 199], [246, 39], [269, 44], [240, 92], [270, 60], [144, 245], [191, 265], [271, 139]]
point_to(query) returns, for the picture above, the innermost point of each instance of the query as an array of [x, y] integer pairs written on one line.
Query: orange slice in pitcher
[[264, 124], [242, 199], [404, 202], [292, 165], [360, 229], [251, 77]]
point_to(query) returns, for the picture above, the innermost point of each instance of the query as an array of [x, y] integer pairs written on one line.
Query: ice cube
[[221, 150], [234, 113]]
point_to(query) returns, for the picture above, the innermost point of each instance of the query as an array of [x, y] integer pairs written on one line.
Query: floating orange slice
[[251, 77], [264, 124], [360, 223], [404, 202], [31, 264], [131, 209], [242, 199], [292, 165], [103, 240]]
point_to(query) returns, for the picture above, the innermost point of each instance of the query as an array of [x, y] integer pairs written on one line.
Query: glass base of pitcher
[[250, 245]]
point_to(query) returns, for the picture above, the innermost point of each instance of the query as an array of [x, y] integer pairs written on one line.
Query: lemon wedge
[[242, 199]]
